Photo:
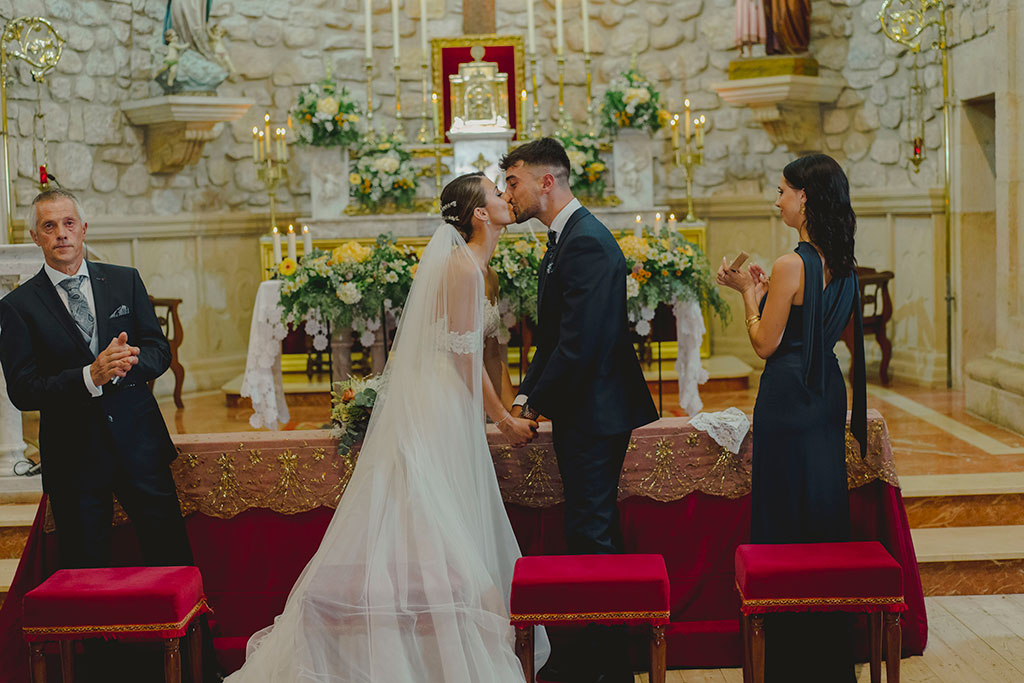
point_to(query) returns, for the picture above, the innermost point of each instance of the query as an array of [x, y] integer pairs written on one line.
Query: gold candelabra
[[424, 136], [36, 42], [535, 131], [904, 24], [270, 170], [371, 131], [564, 124], [399, 133], [690, 154], [591, 127]]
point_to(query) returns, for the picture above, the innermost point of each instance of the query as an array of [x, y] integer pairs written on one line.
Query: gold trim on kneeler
[[586, 616], [118, 628]]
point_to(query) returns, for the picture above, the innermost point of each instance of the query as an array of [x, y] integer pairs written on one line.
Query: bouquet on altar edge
[[632, 102], [354, 286], [383, 171], [665, 268], [326, 115], [586, 170], [517, 263], [352, 402]]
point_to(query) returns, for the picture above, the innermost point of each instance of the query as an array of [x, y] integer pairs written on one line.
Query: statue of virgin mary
[[188, 18]]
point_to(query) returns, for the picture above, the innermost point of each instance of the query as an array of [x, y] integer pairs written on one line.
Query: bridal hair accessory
[[448, 217]]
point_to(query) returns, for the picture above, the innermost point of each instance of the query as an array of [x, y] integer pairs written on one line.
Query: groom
[[585, 375]]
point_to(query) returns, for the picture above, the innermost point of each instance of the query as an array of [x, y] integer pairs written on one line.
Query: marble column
[[994, 384], [16, 262]]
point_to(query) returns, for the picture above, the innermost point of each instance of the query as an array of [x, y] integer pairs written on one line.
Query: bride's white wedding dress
[[411, 581]]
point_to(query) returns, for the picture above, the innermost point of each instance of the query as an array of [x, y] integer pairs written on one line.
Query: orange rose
[[348, 395]]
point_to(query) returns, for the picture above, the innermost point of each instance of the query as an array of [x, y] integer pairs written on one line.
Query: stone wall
[[279, 47]]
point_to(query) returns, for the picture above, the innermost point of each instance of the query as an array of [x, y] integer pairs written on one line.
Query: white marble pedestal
[[473, 148], [633, 169], [17, 261], [328, 180]]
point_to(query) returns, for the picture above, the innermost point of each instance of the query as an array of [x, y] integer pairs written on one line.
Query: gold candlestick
[[371, 131], [535, 131], [399, 133], [564, 124], [591, 127], [690, 154], [270, 171], [424, 136]]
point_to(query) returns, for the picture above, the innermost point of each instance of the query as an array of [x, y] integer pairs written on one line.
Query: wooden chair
[[167, 315], [876, 307]]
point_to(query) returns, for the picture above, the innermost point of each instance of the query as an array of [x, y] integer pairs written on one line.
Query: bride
[[411, 581]]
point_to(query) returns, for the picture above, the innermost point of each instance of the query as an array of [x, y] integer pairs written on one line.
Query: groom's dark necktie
[[552, 236]]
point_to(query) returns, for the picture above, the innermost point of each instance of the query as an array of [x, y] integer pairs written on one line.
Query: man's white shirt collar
[[56, 276], [558, 224]]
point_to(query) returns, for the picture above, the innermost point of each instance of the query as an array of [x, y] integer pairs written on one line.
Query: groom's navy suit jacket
[[585, 373], [82, 439]]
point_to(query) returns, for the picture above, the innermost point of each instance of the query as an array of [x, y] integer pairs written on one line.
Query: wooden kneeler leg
[[757, 648], [195, 650], [524, 650], [894, 645], [875, 645], [37, 663], [657, 674], [67, 661], [745, 636], [172, 660]]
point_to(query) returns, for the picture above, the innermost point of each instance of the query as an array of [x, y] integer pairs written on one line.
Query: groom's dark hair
[[543, 152]]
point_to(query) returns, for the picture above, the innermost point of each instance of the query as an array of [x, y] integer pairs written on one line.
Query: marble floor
[[930, 429]]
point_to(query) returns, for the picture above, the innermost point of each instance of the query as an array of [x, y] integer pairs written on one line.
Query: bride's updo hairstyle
[[459, 199]]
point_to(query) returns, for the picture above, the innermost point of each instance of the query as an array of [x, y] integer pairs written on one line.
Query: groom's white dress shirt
[[56, 277]]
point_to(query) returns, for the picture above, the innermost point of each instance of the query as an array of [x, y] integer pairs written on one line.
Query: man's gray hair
[[49, 196]]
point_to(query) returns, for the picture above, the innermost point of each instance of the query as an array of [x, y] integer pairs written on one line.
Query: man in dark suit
[[78, 342], [585, 376]]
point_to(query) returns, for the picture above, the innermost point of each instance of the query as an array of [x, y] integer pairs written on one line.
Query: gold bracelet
[[752, 319]]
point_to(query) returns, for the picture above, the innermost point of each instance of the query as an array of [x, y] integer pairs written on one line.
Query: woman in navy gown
[[794, 319]]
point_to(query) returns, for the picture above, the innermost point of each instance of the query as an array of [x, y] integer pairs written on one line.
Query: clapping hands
[[114, 361], [755, 278]]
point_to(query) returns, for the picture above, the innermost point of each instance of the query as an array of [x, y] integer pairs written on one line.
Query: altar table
[[258, 503]]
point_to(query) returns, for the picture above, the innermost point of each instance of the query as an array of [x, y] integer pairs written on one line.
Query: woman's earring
[[802, 209]]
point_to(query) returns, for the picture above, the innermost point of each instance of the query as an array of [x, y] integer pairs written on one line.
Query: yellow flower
[[384, 146], [634, 248], [287, 267], [353, 118], [521, 246], [413, 269], [596, 167], [665, 243], [354, 178], [663, 117], [351, 252]]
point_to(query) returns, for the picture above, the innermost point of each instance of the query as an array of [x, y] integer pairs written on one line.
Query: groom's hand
[[528, 413]]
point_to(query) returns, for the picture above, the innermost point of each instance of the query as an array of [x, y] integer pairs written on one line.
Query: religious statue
[[188, 19], [170, 61], [220, 52], [750, 25], [788, 26]]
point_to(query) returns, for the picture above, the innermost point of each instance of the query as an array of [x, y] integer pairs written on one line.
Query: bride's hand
[[733, 279], [518, 431]]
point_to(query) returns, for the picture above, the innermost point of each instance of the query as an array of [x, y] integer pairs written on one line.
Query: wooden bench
[[876, 307]]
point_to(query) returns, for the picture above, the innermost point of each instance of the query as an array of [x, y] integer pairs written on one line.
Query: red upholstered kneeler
[[820, 577], [582, 589], [119, 603]]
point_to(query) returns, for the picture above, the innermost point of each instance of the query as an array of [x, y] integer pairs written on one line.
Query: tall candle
[[255, 144], [368, 27], [394, 29], [277, 245], [266, 129], [675, 132], [700, 131], [531, 36], [671, 222], [291, 242], [686, 103], [423, 29], [284, 143], [585, 11], [657, 223], [638, 228], [263, 150], [559, 28], [307, 240], [437, 114]]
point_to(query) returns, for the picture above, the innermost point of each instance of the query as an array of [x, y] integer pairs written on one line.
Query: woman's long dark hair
[[831, 222], [459, 199]]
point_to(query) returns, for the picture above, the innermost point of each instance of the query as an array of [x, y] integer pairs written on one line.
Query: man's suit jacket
[[585, 372], [82, 439]]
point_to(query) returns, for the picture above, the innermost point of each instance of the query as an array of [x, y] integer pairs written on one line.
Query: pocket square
[[121, 310]]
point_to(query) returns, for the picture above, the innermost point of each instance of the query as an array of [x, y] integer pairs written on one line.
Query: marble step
[[970, 560], [15, 523], [964, 500], [7, 569]]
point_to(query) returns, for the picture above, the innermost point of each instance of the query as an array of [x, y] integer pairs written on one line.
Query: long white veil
[[411, 582]]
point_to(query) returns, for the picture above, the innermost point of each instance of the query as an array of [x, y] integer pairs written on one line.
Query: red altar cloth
[[257, 505]]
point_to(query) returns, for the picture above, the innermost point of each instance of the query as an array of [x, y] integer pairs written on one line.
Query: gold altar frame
[[438, 46]]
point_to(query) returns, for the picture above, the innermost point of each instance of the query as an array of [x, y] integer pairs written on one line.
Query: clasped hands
[[114, 361], [734, 278], [517, 429]]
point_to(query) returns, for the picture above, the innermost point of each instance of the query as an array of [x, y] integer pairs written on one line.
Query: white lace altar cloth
[[689, 333], [727, 427], [262, 382]]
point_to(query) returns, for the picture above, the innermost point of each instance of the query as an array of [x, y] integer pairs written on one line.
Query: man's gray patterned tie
[[78, 305]]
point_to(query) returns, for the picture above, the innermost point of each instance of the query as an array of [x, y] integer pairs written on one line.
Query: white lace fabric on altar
[[411, 582], [261, 382], [689, 333], [727, 427]]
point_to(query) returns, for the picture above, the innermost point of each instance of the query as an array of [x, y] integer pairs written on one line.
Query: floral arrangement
[[383, 171], [352, 402], [586, 170], [326, 115], [517, 263], [666, 268], [351, 286], [632, 102]]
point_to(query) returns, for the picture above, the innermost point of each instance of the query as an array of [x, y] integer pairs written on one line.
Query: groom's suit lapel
[[550, 261]]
